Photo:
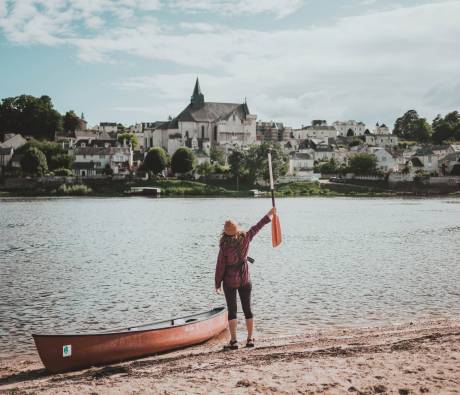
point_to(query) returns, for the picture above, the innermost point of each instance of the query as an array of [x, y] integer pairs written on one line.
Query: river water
[[88, 264]]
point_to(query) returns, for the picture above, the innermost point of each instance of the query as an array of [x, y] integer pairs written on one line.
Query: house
[[428, 160], [453, 148], [385, 160], [6, 154], [14, 141], [382, 140], [380, 129], [319, 129], [91, 161], [450, 164], [350, 128], [300, 163], [322, 151], [221, 125]]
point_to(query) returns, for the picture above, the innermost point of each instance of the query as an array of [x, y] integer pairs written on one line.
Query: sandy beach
[[416, 358]]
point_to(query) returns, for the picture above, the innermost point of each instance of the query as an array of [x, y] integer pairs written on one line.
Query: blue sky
[[294, 60]]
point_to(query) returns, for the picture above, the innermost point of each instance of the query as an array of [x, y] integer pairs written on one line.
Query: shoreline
[[408, 358]]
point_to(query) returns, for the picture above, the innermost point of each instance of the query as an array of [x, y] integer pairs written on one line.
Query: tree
[[34, 162], [217, 155], [108, 171], [330, 167], [447, 128], [411, 127], [71, 121], [155, 161], [363, 164], [183, 160], [29, 115], [56, 156], [350, 133], [129, 138], [204, 169], [257, 162]]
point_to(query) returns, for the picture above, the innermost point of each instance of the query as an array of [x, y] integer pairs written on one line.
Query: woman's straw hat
[[230, 228]]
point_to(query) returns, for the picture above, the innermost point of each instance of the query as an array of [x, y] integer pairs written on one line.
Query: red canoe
[[61, 353]]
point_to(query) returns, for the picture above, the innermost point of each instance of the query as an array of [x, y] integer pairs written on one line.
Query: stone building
[[204, 125]]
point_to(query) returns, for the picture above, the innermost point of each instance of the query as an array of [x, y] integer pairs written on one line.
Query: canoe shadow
[[28, 375]]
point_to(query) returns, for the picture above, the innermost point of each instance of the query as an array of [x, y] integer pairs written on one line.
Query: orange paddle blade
[[276, 231]]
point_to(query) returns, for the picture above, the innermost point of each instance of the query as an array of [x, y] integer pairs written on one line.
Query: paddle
[[276, 227]]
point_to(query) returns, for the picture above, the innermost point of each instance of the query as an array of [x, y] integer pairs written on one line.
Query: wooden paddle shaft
[[270, 170]]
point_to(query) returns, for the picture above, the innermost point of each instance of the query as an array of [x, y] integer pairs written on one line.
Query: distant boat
[[143, 191], [257, 193], [61, 353]]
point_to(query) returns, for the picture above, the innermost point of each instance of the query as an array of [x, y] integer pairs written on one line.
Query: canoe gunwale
[[212, 314]]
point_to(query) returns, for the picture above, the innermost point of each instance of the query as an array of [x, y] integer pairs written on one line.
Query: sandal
[[250, 343], [233, 345]]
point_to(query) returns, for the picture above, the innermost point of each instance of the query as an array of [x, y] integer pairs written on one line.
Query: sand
[[415, 358]]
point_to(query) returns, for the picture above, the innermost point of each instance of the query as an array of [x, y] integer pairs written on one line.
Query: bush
[[183, 160], [63, 172], [34, 162], [73, 190], [155, 161]]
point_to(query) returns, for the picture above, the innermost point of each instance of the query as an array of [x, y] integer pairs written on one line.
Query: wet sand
[[418, 358]]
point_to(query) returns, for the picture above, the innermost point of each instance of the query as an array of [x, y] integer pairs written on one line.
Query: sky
[[293, 61]]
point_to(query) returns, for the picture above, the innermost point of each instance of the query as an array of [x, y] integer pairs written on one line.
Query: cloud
[[280, 8], [371, 67]]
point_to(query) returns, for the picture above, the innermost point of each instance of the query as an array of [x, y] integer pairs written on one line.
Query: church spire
[[197, 97]]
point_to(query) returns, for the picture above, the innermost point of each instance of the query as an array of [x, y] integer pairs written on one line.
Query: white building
[[347, 128], [91, 161], [382, 140], [300, 163], [381, 129], [385, 160], [14, 141], [223, 125], [318, 129]]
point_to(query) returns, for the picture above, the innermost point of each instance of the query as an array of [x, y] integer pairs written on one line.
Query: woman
[[232, 269]]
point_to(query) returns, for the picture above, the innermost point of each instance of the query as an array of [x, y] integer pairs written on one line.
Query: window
[[103, 156], [84, 156], [233, 116], [215, 133], [202, 132]]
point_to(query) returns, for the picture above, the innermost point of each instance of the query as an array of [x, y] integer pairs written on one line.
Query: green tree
[[130, 138], [447, 128], [34, 162], [183, 160], [257, 162], [411, 127], [155, 161], [56, 156], [217, 155], [29, 115], [204, 169], [363, 164], [71, 121], [350, 133], [330, 167]]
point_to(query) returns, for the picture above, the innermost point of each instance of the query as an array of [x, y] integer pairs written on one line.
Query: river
[[89, 264]]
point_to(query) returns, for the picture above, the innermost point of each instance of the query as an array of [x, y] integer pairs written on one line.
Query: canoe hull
[[61, 353]]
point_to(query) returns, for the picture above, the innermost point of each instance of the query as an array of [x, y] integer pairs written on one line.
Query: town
[[222, 141]]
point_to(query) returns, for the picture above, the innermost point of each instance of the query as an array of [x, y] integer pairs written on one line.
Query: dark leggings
[[245, 297]]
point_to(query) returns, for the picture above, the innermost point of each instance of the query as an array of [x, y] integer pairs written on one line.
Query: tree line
[[35, 117], [411, 126]]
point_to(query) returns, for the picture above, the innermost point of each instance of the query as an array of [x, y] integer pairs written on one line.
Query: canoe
[[61, 353]]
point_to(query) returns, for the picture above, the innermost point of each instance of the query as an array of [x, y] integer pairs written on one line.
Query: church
[[203, 126]]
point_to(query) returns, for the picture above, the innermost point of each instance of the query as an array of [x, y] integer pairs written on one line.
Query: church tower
[[197, 99]]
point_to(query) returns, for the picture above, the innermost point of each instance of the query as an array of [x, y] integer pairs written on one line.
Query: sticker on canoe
[[67, 350]]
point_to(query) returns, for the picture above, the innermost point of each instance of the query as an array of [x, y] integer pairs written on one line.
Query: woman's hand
[[271, 212], [217, 291]]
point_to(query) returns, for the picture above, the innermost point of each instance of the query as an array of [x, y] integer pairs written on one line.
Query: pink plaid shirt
[[232, 277]]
